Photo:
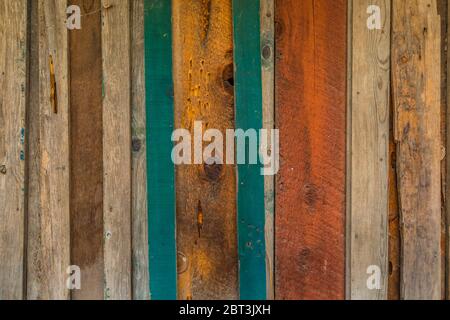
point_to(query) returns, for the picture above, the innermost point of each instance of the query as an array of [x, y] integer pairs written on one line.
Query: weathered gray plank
[[48, 225], [141, 290], [13, 87], [369, 150], [268, 82], [117, 148]]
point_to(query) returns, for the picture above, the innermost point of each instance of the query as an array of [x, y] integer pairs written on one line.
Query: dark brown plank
[[86, 174]]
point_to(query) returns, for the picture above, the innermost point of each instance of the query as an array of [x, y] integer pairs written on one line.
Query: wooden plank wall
[[86, 118]]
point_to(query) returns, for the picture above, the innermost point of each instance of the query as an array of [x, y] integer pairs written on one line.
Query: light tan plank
[[268, 81], [117, 148], [13, 87], [141, 289], [370, 146], [48, 225], [416, 61]]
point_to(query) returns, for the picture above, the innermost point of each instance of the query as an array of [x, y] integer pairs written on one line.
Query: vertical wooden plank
[[370, 149], [141, 290], [86, 152], [13, 88], [116, 148], [447, 193], [416, 61], [49, 216], [267, 17], [33, 145], [250, 182], [311, 103], [348, 154], [160, 168], [442, 12], [206, 212]]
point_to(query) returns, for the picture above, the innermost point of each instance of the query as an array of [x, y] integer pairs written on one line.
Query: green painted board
[[249, 114], [161, 171]]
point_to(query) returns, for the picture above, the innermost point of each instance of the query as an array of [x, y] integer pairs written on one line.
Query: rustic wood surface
[[310, 194], [206, 214], [369, 150], [447, 159], [141, 289], [416, 58], [267, 16], [13, 85], [116, 148], [49, 216], [78, 153], [394, 246], [442, 7], [86, 165]]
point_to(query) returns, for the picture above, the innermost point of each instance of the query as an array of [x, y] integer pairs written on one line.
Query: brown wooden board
[[206, 213], [416, 69], [86, 163], [311, 115]]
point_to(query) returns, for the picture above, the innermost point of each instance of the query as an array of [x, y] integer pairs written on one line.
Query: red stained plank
[[311, 116]]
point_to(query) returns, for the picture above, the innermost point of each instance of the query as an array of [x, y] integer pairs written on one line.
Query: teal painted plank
[[161, 171], [250, 194]]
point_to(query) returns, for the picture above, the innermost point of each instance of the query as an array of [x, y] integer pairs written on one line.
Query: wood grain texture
[[416, 58], [447, 159], [86, 169], [49, 215], [250, 181], [141, 289], [13, 94], [116, 148], [370, 150], [160, 168], [267, 16], [394, 245], [348, 154], [442, 7], [207, 259], [310, 189]]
